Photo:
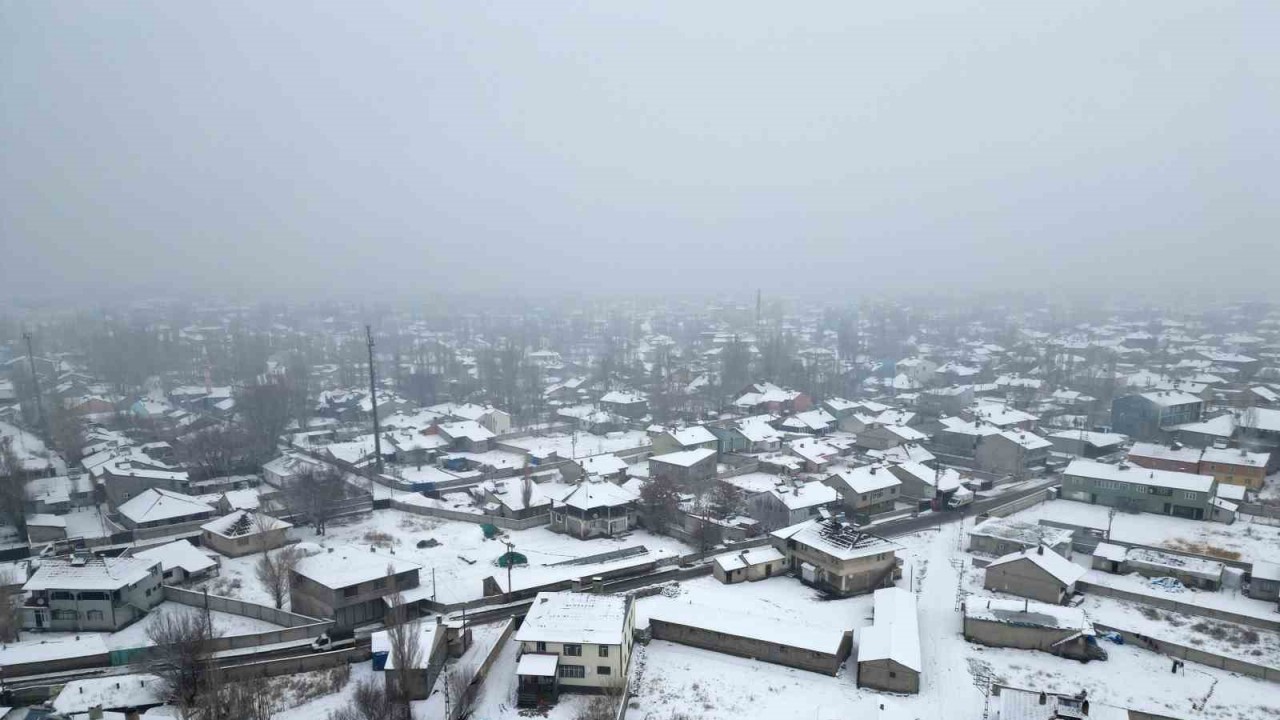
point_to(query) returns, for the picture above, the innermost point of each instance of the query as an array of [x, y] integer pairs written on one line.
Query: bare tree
[[405, 638], [264, 409], [13, 486], [461, 691], [10, 612], [183, 642], [369, 702], [315, 494], [603, 706], [660, 504], [217, 451], [274, 571]]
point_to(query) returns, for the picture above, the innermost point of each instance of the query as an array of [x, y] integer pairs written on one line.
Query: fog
[[521, 148]]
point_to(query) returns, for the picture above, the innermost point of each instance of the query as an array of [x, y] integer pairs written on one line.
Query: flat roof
[[580, 618], [538, 665], [1140, 475], [348, 565]]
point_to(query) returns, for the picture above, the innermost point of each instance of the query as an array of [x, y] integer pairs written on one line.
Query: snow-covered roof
[[946, 479], [684, 458], [1062, 569], [1160, 561], [1139, 475], [1157, 451], [1021, 531], [510, 492], [576, 618], [538, 665], [894, 633], [865, 479], [1107, 551], [838, 540], [746, 558], [618, 397], [810, 494], [1026, 612], [1171, 398], [756, 627], [1235, 456], [92, 573], [1096, 439], [1001, 415], [606, 464], [1263, 570], [1223, 426], [46, 520], [757, 429], [113, 691], [596, 493], [814, 451], [1028, 440], [178, 554], [348, 565], [692, 435], [44, 650], [469, 429], [154, 505], [244, 523], [426, 638]]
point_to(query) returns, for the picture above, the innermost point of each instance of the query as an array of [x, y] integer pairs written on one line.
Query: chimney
[[1044, 698], [597, 585]]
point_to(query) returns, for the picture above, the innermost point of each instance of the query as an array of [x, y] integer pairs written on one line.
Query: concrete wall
[[888, 676], [294, 626], [1025, 637], [770, 652], [1198, 656], [1184, 608], [502, 522]]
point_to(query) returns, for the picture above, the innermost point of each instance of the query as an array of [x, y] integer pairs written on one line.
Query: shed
[[889, 650], [1039, 574]]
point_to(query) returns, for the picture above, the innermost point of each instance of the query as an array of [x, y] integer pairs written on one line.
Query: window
[[604, 670], [1190, 495], [893, 674], [604, 651], [350, 592], [61, 595], [542, 647], [573, 650], [94, 595], [94, 615], [380, 583], [64, 614], [573, 671]]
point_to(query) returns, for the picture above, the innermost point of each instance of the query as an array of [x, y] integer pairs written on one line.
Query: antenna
[[373, 401]]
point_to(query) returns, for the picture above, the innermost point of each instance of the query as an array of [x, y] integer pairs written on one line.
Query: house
[[80, 593], [688, 468], [348, 584], [517, 498], [883, 437], [1013, 452], [889, 650], [1063, 631], [693, 437], [59, 494], [180, 562], [945, 401], [1087, 444], [835, 557], [786, 504], [866, 490], [919, 370], [244, 532], [1040, 574], [44, 528], [466, 436], [1136, 489], [126, 476], [573, 641], [748, 565], [1173, 457], [1149, 415], [999, 536], [1109, 558], [594, 508], [1190, 571], [921, 482], [813, 422], [1235, 466], [154, 508], [960, 438], [754, 434], [806, 647], [415, 447], [769, 398], [607, 466], [632, 406], [1264, 581]]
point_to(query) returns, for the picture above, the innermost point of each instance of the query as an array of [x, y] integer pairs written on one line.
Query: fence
[[1020, 504], [1174, 605], [295, 627], [1260, 510], [1196, 655], [295, 664], [502, 522]]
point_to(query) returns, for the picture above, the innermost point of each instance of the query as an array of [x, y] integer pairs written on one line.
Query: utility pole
[[35, 381], [373, 401]]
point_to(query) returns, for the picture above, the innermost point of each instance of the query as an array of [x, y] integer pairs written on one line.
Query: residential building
[[418, 681], [687, 468], [866, 490], [1191, 571], [1173, 457], [1264, 581], [889, 650], [999, 536], [1137, 489], [1235, 466], [594, 508], [632, 406], [153, 508], [834, 556], [80, 593], [694, 437], [1150, 415], [748, 565], [1087, 444], [1039, 573], [807, 647], [883, 437], [921, 482], [244, 532], [348, 584], [180, 562], [573, 641], [786, 504], [1013, 452], [1029, 625]]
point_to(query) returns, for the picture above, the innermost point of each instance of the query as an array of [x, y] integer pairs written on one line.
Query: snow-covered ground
[[456, 567], [135, 635], [1253, 541]]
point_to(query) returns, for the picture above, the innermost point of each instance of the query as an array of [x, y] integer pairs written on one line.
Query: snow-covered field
[[1253, 541], [135, 635]]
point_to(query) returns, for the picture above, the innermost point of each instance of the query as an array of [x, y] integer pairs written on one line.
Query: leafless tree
[[660, 504], [217, 451], [245, 700], [273, 570], [13, 486], [183, 642], [461, 689], [603, 706], [405, 637], [264, 410], [10, 612], [315, 494], [369, 702]]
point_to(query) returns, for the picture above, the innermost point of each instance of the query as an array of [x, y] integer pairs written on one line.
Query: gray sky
[[530, 147]]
